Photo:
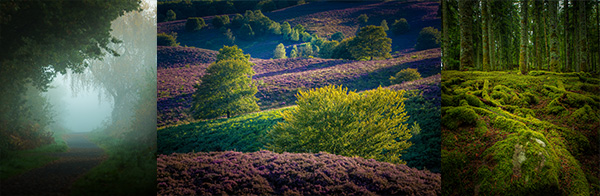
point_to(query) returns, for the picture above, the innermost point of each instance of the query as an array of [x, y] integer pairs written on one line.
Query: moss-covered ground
[[507, 133]]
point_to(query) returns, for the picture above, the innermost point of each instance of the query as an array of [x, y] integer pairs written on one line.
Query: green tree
[[220, 21], [384, 25], [362, 19], [163, 39], [342, 51], [429, 37], [400, 26], [299, 28], [553, 21], [524, 38], [227, 87], [338, 36], [194, 24], [286, 30], [306, 37], [326, 50], [331, 119], [294, 52], [295, 36], [237, 21], [466, 36], [246, 32], [279, 52], [171, 15], [371, 42]]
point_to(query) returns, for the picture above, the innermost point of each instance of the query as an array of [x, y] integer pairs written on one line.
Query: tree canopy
[[371, 42], [227, 87]]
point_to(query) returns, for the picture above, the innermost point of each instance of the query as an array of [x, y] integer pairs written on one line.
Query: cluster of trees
[[529, 34], [251, 25], [31, 57], [178, 9]]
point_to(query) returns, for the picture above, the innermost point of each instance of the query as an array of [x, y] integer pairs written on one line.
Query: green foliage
[[305, 50], [459, 116], [227, 87], [342, 50], [331, 119], [220, 21], [171, 15], [194, 24], [408, 74], [362, 19], [295, 36], [246, 32], [163, 39], [371, 42], [384, 25], [338, 36], [306, 37], [16, 162], [279, 52], [243, 133], [327, 48], [299, 28], [400, 26], [294, 52], [429, 37], [237, 21], [286, 30]]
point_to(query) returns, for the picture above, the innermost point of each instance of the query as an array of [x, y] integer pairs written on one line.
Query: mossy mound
[[505, 133]]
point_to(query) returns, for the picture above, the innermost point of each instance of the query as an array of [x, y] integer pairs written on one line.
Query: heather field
[[280, 79], [268, 173], [239, 154]]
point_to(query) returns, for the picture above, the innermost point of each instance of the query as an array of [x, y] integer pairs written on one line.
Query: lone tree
[[370, 42], [227, 87], [429, 37], [279, 52]]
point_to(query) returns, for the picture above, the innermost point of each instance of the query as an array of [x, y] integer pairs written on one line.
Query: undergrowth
[[506, 133]]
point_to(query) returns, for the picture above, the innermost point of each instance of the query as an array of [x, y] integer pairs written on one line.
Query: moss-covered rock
[[577, 100], [585, 114], [555, 107], [525, 164], [459, 116], [508, 125]]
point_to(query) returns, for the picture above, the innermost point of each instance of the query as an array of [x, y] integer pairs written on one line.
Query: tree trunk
[[484, 36], [553, 17], [524, 38], [466, 37], [567, 34], [582, 18], [537, 12], [491, 43], [445, 29]]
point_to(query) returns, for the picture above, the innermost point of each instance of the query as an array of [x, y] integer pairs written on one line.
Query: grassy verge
[[129, 170], [18, 162]]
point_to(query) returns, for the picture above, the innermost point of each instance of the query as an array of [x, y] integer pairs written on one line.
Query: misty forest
[[78, 113], [298, 97], [520, 97]]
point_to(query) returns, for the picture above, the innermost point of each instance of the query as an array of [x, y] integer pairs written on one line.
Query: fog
[[81, 110]]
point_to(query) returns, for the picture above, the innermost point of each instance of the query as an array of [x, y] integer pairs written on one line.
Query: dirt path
[[56, 178]]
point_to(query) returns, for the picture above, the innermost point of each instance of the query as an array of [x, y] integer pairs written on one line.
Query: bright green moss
[[555, 107], [578, 100], [459, 116], [508, 125], [525, 164], [530, 98], [472, 100], [585, 114], [448, 100]]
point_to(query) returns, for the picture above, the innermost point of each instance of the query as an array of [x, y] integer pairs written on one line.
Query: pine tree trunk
[[445, 29], [484, 36], [553, 17], [568, 47], [582, 18], [466, 37], [537, 33], [524, 38], [491, 45]]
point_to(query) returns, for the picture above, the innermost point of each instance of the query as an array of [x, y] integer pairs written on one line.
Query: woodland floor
[[57, 177]]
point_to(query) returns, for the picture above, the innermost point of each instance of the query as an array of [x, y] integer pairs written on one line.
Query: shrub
[[194, 24], [286, 30], [246, 32], [295, 36], [362, 19], [268, 173], [237, 21], [429, 37], [338, 36], [279, 52], [294, 52], [327, 48], [163, 39], [331, 119], [408, 74], [171, 15], [220, 21], [400, 26], [384, 25]]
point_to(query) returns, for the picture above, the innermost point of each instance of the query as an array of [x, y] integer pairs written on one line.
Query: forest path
[[57, 177]]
